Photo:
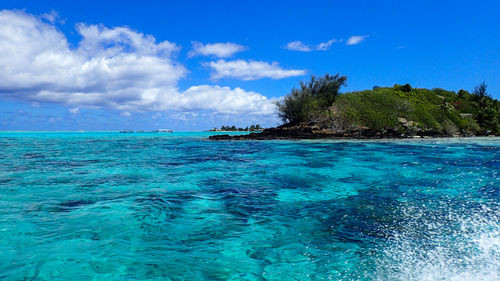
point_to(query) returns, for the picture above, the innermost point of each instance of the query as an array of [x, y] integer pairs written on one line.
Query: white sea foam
[[470, 251]]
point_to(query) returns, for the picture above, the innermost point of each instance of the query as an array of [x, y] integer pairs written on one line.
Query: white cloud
[[116, 68], [326, 45], [184, 116], [250, 70], [75, 110], [298, 46], [50, 17], [303, 47], [354, 40], [225, 100], [221, 50]]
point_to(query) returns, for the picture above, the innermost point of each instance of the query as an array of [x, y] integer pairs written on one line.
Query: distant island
[[252, 128], [316, 110]]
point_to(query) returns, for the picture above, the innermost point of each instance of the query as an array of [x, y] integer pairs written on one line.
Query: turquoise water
[[110, 206]]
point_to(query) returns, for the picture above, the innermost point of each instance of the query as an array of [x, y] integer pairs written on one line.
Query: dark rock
[[298, 132]]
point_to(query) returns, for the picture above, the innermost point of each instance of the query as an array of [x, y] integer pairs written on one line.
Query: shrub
[[450, 128], [377, 109]]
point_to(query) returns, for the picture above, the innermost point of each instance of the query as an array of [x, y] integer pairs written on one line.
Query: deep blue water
[[110, 206]]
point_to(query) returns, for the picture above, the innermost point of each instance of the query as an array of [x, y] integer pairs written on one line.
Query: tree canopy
[[316, 94]]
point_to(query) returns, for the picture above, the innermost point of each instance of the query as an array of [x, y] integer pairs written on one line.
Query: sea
[[177, 206]]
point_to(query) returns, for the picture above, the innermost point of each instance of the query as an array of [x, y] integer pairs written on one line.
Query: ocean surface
[[111, 206]]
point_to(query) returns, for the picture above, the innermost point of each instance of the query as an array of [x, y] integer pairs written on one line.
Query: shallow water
[[110, 206]]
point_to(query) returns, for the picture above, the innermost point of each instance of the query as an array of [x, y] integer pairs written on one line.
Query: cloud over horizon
[[250, 70], [116, 68]]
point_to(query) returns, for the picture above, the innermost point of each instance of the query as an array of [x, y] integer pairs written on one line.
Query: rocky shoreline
[[288, 132]]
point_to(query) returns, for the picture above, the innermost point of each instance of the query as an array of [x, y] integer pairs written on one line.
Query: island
[[251, 128], [317, 110]]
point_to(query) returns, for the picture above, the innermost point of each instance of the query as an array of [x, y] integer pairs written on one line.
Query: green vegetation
[[314, 96], [252, 128], [399, 108]]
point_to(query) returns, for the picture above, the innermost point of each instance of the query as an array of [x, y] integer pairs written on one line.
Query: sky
[[194, 65]]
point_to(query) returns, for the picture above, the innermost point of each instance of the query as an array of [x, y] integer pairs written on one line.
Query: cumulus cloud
[[225, 100], [116, 68], [303, 47], [250, 70], [221, 50], [354, 40]]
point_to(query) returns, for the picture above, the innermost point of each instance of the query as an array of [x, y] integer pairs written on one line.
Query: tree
[[406, 88], [294, 107], [480, 92], [324, 89], [317, 94], [462, 94]]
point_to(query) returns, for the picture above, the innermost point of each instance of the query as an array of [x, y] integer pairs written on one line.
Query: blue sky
[[193, 65]]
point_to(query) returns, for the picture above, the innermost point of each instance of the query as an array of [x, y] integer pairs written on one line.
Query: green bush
[[377, 109]]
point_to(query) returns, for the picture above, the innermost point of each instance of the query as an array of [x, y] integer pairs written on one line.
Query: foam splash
[[462, 247]]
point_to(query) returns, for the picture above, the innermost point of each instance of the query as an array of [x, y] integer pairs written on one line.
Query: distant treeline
[[236, 129], [399, 108]]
